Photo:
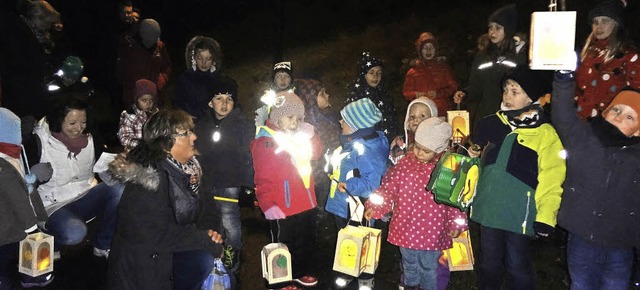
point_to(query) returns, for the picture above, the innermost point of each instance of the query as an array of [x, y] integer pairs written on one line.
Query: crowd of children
[[168, 205]]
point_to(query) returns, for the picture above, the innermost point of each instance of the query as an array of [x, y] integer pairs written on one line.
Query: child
[[359, 163], [132, 119], [418, 110], [419, 226], [600, 203], [519, 191], [430, 77], [282, 152], [225, 134], [369, 85], [282, 80]]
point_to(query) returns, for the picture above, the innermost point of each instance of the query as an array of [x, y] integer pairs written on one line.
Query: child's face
[[496, 32], [624, 118], [602, 26], [346, 129], [290, 123], [282, 80], [145, 103], [373, 76], [514, 97], [428, 51], [222, 105], [422, 153], [204, 59], [417, 113]]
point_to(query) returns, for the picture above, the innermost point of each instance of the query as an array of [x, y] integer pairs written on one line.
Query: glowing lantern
[[352, 250], [36, 254], [460, 256], [553, 40], [276, 263], [375, 242], [459, 120], [454, 180]]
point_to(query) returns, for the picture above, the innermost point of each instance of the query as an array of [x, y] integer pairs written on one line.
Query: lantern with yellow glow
[[276, 263], [460, 256], [459, 121], [36, 254], [375, 243], [352, 250], [454, 180], [553, 40]]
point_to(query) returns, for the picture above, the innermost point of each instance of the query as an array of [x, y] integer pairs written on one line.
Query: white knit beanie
[[434, 134]]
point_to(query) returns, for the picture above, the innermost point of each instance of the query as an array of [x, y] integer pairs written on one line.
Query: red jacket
[[418, 222], [136, 62], [277, 179], [431, 75], [599, 81]]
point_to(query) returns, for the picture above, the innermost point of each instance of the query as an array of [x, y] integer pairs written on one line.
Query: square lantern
[[375, 242], [36, 254], [553, 40], [460, 256], [352, 249], [276, 263], [459, 120]]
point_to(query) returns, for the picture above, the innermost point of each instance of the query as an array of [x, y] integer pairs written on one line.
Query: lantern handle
[[553, 5]]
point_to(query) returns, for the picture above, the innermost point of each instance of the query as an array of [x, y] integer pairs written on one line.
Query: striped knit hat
[[361, 114]]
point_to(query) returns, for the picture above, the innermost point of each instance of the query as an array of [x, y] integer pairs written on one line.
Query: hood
[[126, 171], [424, 100], [203, 42]]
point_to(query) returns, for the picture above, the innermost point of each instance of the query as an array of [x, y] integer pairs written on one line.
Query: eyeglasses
[[186, 133]]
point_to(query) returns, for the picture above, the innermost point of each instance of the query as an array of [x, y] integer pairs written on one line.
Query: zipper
[[526, 213], [287, 194]]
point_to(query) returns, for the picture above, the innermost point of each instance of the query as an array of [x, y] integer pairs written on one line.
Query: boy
[[282, 152], [601, 191], [519, 191], [419, 226]]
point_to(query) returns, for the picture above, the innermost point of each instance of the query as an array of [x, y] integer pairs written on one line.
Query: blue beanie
[[10, 127], [361, 114]]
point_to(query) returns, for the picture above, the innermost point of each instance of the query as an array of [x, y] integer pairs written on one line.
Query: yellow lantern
[[460, 256], [36, 254], [375, 242], [352, 249], [276, 263], [553, 40], [459, 121]]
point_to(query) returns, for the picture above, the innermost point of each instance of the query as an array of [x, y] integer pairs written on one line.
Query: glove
[[274, 213], [543, 230], [43, 171]]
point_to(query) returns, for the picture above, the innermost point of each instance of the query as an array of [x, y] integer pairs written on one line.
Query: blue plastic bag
[[218, 279]]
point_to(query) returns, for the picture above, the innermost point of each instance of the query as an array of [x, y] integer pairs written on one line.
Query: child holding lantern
[[419, 226]]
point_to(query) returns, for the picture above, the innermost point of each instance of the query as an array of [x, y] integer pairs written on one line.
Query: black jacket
[[195, 89], [601, 200]]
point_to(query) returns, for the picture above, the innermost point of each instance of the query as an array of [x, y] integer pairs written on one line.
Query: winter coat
[[72, 176], [225, 162], [277, 179], [598, 81], [522, 175], [431, 75], [148, 232], [380, 96], [131, 123], [418, 222], [137, 62], [16, 213], [600, 202], [363, 163], [195, 89]]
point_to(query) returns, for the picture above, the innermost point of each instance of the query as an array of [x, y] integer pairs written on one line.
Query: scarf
[[11, 150], [74, 145], [609, 135], [191, 168], [530, 116]]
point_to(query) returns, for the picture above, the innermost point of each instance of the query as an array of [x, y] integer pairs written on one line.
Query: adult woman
[[608, 63], [156, 238]]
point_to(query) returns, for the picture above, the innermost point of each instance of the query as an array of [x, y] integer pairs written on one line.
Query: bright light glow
[[269, 97], [359, 147], [376, 199], [327, 161], [216, 136], [485, 65], [298, 145], [364, 288], [509, 63], [60, 73], [341, 282], [563, 154], [460, 221], [52, 88]]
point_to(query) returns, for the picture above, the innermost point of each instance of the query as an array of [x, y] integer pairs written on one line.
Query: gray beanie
[[287, 104], [434, 134], [149, 32]]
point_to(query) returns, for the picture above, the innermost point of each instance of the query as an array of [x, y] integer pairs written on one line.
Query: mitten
[[43, 171], [274, 213], [543, 230]]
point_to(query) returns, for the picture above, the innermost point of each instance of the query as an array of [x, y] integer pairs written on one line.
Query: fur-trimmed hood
[[126, 171], [212, 44]]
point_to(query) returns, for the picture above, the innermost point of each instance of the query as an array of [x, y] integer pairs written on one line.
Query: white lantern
[[36, 254], [375, 243], [352, 249], [460, 256], [276, 263], [553, 35]]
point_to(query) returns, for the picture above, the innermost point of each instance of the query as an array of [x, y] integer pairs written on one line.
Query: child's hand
[[342, 187], [215, 237], [474, 151], [368, 214], [454, 233], [458, 96]]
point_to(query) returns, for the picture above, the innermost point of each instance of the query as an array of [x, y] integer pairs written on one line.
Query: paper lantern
[[352, 249], [460, 256], [36, 254], [454, 180], [553, 40], [276, 263], [375, 243], [459, 121]]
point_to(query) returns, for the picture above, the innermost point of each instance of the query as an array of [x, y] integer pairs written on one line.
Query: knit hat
[[507, 17], [424, 38], [613, 9], [145, 87], [225, 86], [626, 97], [284, 66], [434, 134], [536, 83], [361, 114], [149, 32], [10, 130], [366, 63], [287, 103]]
